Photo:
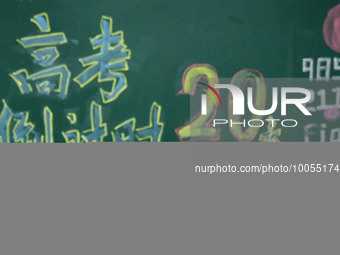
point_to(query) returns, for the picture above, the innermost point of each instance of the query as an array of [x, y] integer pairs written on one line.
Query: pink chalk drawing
[[332, 113], [331, 29]]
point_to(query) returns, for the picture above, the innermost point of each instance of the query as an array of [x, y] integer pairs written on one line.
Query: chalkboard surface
[[113, 70]]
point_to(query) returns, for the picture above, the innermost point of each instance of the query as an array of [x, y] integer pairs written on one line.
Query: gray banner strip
[[145, 198]]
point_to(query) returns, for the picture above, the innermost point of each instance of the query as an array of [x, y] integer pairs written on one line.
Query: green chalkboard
[[113, 70]]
